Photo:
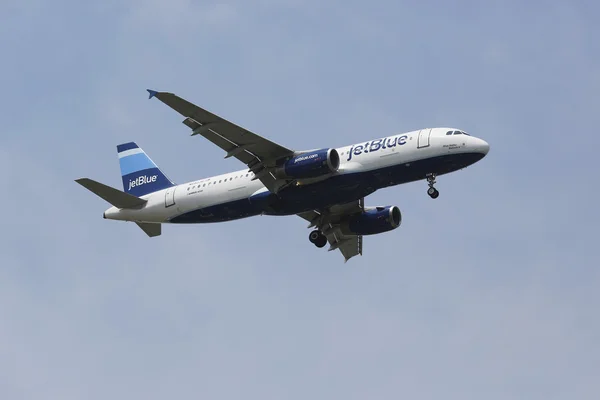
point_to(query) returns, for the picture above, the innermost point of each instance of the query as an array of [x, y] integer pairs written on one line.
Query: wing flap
[[328, 222], [243, 155], [349, 246]]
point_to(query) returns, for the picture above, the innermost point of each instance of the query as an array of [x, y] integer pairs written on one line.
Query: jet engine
[[312, 164], [374, 220]]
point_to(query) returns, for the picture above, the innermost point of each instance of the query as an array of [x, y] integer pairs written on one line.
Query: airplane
[[324, 186]]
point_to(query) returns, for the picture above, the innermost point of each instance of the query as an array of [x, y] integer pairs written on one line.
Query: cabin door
[[423, 140], [170, 196]]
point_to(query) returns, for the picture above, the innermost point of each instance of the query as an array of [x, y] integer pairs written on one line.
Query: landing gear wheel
[[317, 238], [432, 191], [314, 236], [321, 241]]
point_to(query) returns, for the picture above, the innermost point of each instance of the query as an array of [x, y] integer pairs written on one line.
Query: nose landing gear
[[317, 238], [432, 191]]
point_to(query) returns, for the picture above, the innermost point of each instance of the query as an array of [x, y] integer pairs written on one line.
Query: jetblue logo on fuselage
[[302, 158], [376, 145], [142, 180]]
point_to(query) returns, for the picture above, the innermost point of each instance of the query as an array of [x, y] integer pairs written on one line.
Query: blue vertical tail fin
[[140, 174]]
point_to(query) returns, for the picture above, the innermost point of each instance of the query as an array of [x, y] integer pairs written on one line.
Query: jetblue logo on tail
[[139, 173], [142, 180]]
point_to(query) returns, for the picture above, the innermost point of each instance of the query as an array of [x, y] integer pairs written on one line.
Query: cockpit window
[[457, 132], [449, 133]]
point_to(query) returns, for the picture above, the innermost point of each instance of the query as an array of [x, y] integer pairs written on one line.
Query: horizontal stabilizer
[[113, 196], [150, 229]]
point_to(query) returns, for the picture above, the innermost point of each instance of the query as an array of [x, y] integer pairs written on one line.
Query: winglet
[[152, 93]]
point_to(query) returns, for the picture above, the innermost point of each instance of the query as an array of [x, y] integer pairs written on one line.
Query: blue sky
[[492, 290]]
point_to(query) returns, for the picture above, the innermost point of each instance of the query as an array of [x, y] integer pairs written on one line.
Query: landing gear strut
[[317, 238], [432, 192]]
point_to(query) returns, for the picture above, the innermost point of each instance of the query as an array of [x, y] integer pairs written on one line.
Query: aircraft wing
[[253, 150], [328, 221]]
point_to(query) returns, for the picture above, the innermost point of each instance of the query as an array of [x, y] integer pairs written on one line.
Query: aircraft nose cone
[[483, 146]]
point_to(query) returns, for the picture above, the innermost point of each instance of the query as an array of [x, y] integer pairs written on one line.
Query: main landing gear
[[432, 192], [317, 238]]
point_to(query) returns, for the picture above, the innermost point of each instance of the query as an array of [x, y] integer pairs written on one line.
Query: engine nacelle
[[374, 220], [311, 164]]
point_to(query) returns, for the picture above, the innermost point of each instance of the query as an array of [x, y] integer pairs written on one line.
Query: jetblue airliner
[[325, 186]]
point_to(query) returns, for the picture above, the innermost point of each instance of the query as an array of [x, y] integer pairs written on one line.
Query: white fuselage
[[397, 150]]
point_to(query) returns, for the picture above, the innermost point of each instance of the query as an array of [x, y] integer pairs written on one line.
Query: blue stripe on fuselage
[[335, 190]]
